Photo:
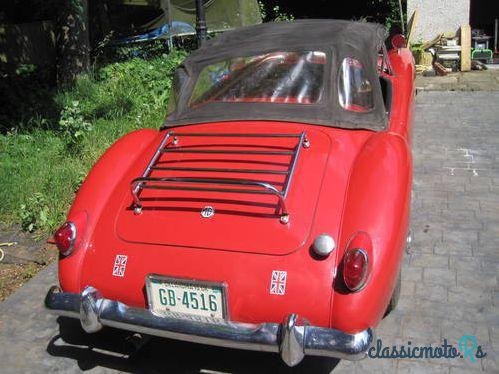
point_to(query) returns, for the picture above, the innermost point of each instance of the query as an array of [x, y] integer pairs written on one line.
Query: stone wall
[[437, 16]]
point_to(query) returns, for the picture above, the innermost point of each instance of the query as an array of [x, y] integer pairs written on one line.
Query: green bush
[[73, 126], [34, 213], [124, 89]]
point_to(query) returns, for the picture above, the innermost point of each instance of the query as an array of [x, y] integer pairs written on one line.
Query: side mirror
[[398, 41]]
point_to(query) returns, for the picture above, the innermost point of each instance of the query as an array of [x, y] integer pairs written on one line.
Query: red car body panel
[[352, 184]]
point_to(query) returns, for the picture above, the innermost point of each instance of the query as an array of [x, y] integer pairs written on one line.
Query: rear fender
[[377, 204], [92, 196], [401, 116]]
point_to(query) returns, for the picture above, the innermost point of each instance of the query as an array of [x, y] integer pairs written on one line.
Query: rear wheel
[[395, 295]]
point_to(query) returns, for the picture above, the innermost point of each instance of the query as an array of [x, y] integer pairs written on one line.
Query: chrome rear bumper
[[290, 339]]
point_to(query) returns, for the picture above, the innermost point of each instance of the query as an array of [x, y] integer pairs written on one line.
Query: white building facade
[[438, 16]]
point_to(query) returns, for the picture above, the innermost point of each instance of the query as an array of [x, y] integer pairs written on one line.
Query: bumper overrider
[[291, 339]]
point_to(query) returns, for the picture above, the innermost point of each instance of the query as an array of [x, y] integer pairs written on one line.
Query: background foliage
[[382, 11], [48, 147]]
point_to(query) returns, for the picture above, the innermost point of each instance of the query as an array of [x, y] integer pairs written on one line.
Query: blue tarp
[[162, 32]]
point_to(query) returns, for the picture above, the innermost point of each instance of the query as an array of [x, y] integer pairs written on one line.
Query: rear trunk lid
[[225, 216]]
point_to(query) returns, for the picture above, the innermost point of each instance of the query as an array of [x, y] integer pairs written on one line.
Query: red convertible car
[[271, 210]]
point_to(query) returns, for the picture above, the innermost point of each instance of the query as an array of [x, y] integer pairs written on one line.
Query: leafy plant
[[25, 69], [34, 213], [29, 271], [263, 10], [281, 16], [384, 11], [274, 14], [73, 125]]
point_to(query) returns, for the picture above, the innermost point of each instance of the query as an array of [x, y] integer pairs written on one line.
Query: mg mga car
[[270, 212]]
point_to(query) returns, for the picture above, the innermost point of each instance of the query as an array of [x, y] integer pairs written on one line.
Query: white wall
[[437, 16]]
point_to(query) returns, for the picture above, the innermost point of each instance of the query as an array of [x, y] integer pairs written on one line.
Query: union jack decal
[[278, 282], [120, 265]]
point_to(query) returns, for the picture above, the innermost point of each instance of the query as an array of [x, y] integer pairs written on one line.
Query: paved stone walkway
[[449, 286], [449, 279]]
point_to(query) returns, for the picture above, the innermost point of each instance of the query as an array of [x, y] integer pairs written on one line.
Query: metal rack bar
[[226, 151], [268, 189], [292, 166], [221, 170], [156, 155], [224, 184], [235, 135]]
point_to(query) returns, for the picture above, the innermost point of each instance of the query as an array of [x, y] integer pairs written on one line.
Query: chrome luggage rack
[[225, 185]]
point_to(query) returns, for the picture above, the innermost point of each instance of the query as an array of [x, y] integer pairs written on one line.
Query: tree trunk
[[99, 19], [73, 42]]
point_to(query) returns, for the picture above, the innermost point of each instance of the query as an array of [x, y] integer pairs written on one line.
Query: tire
[[395, 295]]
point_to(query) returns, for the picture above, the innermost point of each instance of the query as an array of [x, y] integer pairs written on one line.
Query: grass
[[44, 159]]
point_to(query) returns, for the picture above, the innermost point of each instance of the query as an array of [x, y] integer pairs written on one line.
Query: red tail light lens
[[399, 41], [355, 269], [65, 238]]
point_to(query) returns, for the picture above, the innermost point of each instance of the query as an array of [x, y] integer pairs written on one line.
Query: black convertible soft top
[[337, 38]]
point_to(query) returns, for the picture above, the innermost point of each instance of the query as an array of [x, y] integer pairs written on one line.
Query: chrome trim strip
[[292, 340]]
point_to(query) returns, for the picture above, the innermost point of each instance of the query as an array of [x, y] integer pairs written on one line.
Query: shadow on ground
[[120, 350], [27, 101]]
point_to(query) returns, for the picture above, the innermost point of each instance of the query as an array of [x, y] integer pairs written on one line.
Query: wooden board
[[466, 48], [411, 26]]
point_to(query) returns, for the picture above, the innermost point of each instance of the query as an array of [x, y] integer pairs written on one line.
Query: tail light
[[399, 41], [65, 237], [355, 269]]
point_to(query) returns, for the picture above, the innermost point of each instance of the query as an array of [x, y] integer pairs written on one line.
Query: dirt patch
[[21, 257]]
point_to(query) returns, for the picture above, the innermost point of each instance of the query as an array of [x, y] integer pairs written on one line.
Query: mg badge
[[207, 212]]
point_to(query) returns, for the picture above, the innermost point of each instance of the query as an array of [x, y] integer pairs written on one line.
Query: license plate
[[185, 296]]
